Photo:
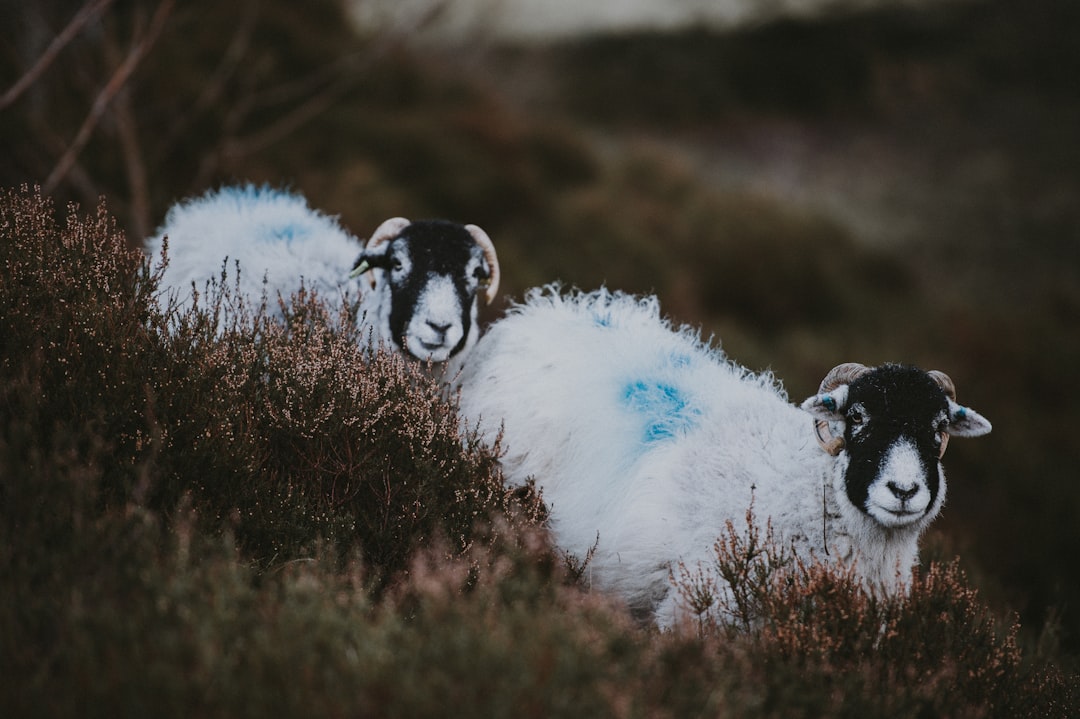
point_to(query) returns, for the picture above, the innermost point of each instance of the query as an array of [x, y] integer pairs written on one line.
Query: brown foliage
[[206, 512], [936, 650], [288, 432]]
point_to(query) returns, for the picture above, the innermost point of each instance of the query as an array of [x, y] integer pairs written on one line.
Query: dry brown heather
[[207, 514]]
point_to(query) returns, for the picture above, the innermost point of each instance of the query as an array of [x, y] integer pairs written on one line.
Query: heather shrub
[[208, 513], [283, 433], [828, 647], [181, 626], [887, 201]]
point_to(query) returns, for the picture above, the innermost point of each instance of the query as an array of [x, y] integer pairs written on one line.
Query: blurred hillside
[[895, 184]]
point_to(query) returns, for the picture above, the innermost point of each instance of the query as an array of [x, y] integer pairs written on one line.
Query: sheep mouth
[[429, 351], [896, 517]]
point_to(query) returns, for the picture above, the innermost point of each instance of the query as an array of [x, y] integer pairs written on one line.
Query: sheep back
[[276, 238], [642, 437]]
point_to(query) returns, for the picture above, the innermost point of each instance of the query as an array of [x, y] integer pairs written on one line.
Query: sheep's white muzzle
[[436, 327], [899, 496]]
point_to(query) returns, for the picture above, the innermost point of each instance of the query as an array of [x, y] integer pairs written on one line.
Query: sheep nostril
[[902, 493], [441, 329]]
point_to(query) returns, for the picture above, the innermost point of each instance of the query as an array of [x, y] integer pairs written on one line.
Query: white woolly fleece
[[644, 435], [271, 234], [281, 243]]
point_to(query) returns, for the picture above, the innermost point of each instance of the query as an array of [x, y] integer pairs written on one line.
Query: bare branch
[[288, 124], [216, 83], [101, 103], [89, 11], [134, 163], [339, 76], [37, 163]]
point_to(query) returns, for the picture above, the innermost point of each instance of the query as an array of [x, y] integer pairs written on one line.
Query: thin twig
[[101, 103], [339, 76], [127, 129], [89, 11], [289, 123], [215, 85]]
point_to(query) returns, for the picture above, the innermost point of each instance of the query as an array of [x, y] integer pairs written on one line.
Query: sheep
[[424, 277], [643, 440]]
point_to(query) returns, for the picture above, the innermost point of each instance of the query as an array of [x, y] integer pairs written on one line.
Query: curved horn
[[839, 375], [842, 374], [945, 382], [385, 232], [832, 445], [488, 247]]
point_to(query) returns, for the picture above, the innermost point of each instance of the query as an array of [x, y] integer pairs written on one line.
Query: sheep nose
[[902, 493], [441, 329]]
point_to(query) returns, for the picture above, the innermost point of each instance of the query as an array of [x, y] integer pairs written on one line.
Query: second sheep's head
[[888, 427], [427, 279]]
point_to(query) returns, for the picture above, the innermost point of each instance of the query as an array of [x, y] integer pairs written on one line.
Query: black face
[[895, 418], [431, 298]]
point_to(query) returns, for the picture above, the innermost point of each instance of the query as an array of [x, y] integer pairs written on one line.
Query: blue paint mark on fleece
[[251, 199], [285, 233], [664, 407], [680, 360]]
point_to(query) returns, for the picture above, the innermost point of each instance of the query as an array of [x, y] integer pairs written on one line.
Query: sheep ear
[[481, 238], [828, 406], [374, 252], [966, 422]]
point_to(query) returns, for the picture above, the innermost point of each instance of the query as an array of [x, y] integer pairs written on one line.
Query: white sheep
[[644, 440], [424, 277]]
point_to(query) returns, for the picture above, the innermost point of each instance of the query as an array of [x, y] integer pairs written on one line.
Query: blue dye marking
[[680, 360], [602, 320], [961, 413], [829, 403], [664, 407], [250, 197], [286, 233]]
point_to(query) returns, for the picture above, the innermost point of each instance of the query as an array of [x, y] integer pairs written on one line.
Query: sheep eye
[[395, 264], [856, 417]]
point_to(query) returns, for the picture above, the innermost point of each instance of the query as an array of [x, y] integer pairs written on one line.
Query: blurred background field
[[861, 182]]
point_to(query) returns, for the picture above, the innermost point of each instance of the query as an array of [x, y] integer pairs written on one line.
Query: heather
[[208, 512]]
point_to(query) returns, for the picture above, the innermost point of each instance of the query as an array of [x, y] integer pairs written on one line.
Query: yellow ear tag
[[359, 269]]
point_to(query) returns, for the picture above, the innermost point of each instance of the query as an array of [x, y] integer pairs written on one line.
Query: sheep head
[[892, 425], [428, 276]]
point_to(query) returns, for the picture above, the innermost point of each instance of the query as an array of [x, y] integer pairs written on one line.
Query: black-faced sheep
[[425, 278], [644, 440]]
